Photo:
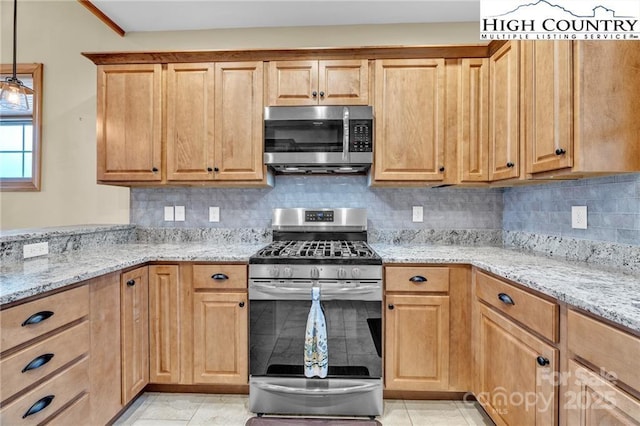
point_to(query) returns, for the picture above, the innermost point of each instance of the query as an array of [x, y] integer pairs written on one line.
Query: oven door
[[278, 319]]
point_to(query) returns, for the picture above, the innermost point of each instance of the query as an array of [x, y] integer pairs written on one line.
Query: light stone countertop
[[614, 296]]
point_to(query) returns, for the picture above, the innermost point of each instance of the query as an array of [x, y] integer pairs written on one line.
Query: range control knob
[[274, 271], [355, 272], [342, 273], [315, 273], [287, 272]]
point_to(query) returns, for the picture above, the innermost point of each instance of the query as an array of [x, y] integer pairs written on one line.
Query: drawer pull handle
[[506, 299], [542, 361], [39, 406], [37, 318], [131, 283], [220, 277], [418, 279], [38, 362]]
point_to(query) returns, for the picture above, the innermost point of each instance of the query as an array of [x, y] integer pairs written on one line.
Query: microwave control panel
[[361, 136]]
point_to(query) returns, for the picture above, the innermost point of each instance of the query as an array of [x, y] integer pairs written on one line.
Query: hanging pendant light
[[14, 94]]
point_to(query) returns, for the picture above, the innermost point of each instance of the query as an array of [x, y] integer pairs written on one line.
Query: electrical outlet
[[34, 250], [418, 214], [579, 217], [214, 214], [180, 213], [168, 213]]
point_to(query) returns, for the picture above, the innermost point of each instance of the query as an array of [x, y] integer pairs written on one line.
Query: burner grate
[[318, 249]]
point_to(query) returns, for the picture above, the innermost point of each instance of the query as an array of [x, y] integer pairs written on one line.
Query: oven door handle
[[318, 392], [275, 290]]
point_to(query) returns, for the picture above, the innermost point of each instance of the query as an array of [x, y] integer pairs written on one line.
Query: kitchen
[[535, 218]]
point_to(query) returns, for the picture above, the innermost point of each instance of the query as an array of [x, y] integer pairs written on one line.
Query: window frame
[[32, 183]]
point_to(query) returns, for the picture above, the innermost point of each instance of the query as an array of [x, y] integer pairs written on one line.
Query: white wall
[[56, 32]]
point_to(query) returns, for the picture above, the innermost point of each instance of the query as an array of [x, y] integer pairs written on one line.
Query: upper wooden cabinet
[[214, 121], [129, 122], [504, 113], [473, 120], [579, 117], [410, 120], [339, 82], [547, 92]]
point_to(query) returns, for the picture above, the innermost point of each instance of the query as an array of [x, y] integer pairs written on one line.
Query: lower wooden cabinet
[[134, 329], [220, 349], [516, 372], [165, 318], [417, 342]]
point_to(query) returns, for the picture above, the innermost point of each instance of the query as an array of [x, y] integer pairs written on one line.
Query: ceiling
[[176, 15]]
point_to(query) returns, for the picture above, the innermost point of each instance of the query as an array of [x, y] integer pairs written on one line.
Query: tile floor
[[172, 409]]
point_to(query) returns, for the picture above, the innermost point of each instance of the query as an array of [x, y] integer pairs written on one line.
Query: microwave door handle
[[345, 134]]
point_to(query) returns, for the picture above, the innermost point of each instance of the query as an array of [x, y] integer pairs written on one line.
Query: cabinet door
[[105, 374], [410, 121], [417, 342], [473, 130], [164, 324], [190, 121], [239, 125], [293, 83], [504, 117], [129, 127], [134, 329], [548, 105], [343, 82], [220, 341], [591, 400], [514, 388]]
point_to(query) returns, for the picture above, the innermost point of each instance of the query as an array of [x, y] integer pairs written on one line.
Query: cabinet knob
[[215, 169], [241, 304], [154, 170], [37, 362], [391, 307], [441, 169], [510, 164], [542, 361], [560, 151], [209, 169], [418, 279], [39, 406], [322, 94], [506, 299], [220, 277], [314, 94], [37, 318], [131, 283]]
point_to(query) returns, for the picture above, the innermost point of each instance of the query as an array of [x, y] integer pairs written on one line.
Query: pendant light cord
[[15, 32]]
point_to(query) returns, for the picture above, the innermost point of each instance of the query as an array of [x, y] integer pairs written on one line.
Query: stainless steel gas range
[[325, 252]]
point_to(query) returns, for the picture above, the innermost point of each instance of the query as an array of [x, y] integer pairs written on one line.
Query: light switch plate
[[418, 214], [168, 213], [34, 250], [214, 214], [180, 213], [579, 217]]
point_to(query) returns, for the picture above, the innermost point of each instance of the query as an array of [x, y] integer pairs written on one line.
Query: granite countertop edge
[[612, 295]]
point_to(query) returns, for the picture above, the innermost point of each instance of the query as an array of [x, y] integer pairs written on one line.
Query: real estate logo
[[560, 19]]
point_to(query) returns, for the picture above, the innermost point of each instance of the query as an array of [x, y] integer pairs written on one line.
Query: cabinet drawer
[[605, 347], [75, 414], [44, 358], [410, 278], [64, 387], [30, 320], [532, 311], [227, 276]]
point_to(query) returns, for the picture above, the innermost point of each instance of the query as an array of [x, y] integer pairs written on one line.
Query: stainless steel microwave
[[318, 139]]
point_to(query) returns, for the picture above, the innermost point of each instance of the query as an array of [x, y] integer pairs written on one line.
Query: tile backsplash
[[387, 208], [613, 209]]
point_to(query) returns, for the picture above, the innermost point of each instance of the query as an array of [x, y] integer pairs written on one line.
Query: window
[[20, 135]]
